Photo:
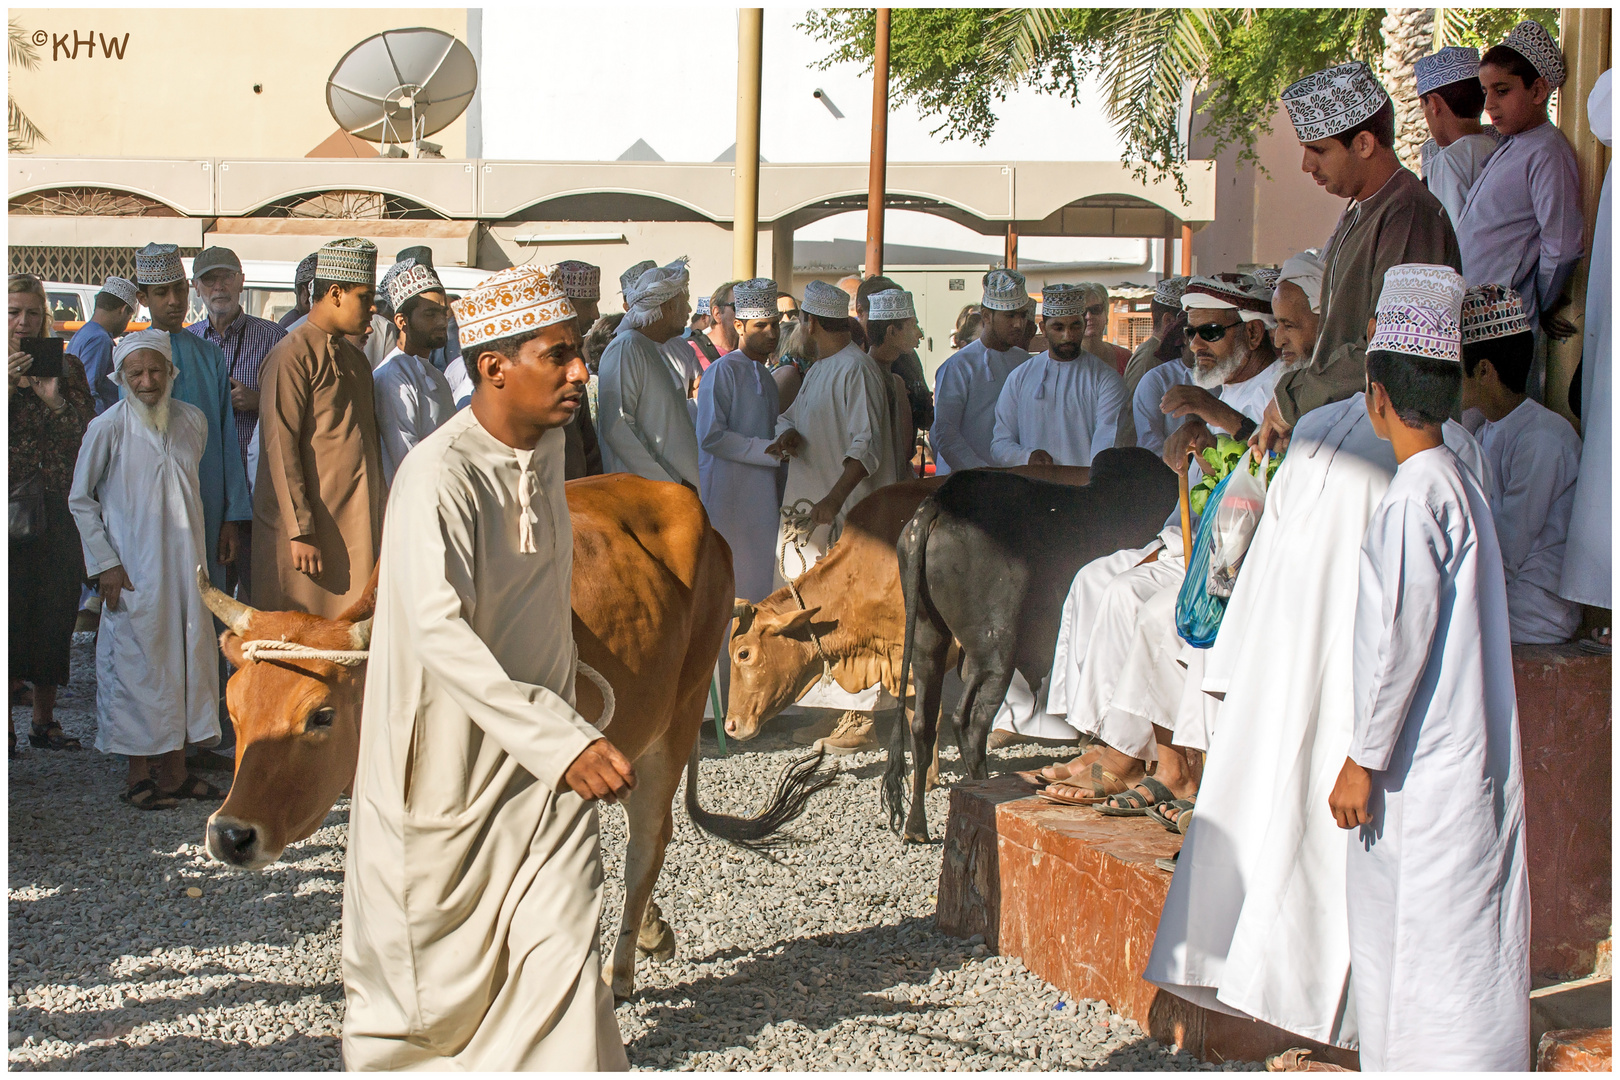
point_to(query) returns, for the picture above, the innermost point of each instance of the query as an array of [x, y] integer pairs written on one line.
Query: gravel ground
[[826, 958]]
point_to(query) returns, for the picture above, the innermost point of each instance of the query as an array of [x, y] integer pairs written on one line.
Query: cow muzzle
[[237, 843]]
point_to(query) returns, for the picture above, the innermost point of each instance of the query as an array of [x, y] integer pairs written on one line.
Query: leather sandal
[[146, 796], [195, 787], [1134, 803], [1104, 785], [51, 737]]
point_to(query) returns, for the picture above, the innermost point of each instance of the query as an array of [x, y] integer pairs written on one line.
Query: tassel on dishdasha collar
[[528, 483]]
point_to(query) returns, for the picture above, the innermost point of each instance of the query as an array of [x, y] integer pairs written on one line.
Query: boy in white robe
[[644, 424], [138, 505], [413, 397], [1448, 90], [736, 422], [1432, 787], [967, 386], [472, 895], [1061, 407], [1535, 459]]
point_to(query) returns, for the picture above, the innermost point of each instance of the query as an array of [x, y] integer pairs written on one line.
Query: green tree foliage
[[958, 64]]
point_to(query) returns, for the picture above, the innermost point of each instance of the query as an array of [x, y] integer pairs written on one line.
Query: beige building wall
[[184, 84], [1263, 218]]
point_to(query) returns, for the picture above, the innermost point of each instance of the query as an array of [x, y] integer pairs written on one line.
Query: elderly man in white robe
[[968, 384], [412, 396], [472, 897], [840, 437], [1255, 922], [1060, 407], [645, 427], [1111, 676], [1431, 791], [138, 505], [736, 423]]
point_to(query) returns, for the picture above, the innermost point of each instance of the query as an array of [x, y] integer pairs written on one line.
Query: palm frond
[[1018, 36], [19, 50], [21, 134], [1158, 52]]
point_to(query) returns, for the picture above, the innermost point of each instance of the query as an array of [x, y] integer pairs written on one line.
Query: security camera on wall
[[821, 96]]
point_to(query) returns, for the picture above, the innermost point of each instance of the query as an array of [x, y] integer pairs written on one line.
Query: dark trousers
[[46, 574]]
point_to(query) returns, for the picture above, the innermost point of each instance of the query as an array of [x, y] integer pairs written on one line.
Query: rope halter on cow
[[796, 530], [265, 649]]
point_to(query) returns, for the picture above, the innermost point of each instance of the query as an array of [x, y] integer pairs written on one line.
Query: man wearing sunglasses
[[1235, 371]]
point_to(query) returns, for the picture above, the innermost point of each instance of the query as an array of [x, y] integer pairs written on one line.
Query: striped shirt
[[245, 343]]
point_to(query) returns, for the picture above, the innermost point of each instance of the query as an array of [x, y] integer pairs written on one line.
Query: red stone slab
[[1590, 1050], [1077, 896]]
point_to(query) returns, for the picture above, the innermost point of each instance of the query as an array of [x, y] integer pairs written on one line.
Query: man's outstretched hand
[[601, 772]]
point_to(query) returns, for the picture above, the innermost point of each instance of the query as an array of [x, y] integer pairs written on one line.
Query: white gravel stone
[[822, 957]]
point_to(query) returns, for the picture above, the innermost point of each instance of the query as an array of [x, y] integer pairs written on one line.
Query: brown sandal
[[1104, 785], [51, 737], [146, 796], [195, 787], [1046, 774]]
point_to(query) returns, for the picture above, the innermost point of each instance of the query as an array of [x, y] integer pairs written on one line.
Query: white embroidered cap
[[702, 307], [580, 280], [1005, 290], [628, 279], [124, 289], [512, 302], [408, 279], [352, 261], [1530, 40], [825, 301], [1059, 301], [1305, 270], [1492, 311], [890, 305], [1420, 312], [1452, 64], [1168, 291], [1333, 101], [1266, 277], [306, 269], [755, 298], [159, 264]]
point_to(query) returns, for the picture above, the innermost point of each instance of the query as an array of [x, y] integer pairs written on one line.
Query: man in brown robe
[[318, 499], [1345, 123]]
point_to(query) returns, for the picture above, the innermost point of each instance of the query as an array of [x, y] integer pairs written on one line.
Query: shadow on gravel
[[816, 981]]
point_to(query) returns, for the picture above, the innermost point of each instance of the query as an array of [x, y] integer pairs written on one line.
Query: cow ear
[[797, 622], [231, 645]]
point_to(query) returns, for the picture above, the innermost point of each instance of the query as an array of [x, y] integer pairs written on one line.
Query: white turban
[[156, 340], [1305, 270], [653, 289]]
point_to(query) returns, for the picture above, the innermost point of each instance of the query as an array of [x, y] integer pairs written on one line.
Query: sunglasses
[[1212, 331]]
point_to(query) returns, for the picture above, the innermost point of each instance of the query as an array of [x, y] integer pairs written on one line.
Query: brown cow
[[652, 591], [853, 602]]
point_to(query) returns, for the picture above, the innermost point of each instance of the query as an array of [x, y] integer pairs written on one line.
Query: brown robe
[[320, 474]]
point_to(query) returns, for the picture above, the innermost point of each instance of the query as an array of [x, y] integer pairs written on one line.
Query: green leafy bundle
[[1218, 461]]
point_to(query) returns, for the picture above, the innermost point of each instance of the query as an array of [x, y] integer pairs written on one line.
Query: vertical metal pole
[[745, 212], [878, 183], [1012, 245], [1186, 251]]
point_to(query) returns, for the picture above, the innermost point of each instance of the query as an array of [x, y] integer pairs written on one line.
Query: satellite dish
[[399, 86]]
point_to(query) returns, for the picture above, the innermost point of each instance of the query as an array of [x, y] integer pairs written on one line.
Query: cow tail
[[799, 781], [911, 551]]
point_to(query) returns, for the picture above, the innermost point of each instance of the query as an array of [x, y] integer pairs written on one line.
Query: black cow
[[987, 560]]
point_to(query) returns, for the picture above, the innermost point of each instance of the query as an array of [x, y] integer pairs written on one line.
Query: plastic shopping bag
[[1243, 499], [1199, 614]]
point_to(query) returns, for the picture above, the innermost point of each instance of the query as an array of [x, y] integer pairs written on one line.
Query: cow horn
[[360, 635], [233, 613], [741, 607]]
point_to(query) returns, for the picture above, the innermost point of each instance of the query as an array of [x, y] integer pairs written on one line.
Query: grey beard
[[156, 416], [1217, 375]]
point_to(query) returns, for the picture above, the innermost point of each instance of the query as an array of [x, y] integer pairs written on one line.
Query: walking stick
[[1186, 513]]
